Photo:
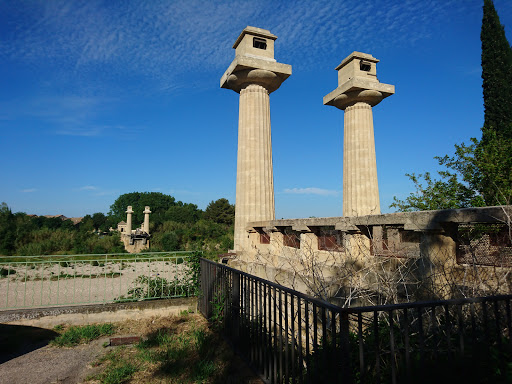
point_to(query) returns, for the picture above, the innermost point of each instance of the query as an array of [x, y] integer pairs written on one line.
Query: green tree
[[496, 75], [98, 220], [480, 173], [158, 202], [220, 211], [7, 230], [183, 213]]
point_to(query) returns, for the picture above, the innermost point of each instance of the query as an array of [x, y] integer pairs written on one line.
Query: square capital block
[[255, 42], [357, 65]]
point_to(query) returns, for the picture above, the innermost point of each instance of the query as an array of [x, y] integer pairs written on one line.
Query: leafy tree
[[98, 220], [158, 202], [496, 75], [480, 173], [220, 211], [7, 230], [183, 213]]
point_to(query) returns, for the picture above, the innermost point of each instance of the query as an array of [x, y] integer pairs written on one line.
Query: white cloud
[[163, 40], [88, 188], [29, 190], [311, 191]]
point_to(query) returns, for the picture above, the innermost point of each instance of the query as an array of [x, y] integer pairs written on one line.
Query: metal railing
[[289, 337], [55, 280]]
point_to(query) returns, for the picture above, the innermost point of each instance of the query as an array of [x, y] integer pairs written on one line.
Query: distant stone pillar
[[146, 219], [358, 91], [129, 213], [254, 74]]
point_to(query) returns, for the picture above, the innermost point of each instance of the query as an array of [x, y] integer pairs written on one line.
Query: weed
[[59, 327], [4, 272], [81, 335], [119, 369]]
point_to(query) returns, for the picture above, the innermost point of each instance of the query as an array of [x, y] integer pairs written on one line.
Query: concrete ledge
[[97, 313]]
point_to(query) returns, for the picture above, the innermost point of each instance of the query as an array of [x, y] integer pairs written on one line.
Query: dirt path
[[52, 365], [48, 364]]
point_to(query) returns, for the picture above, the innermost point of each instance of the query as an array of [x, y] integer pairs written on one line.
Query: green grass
[[182, 350], [80, 335]]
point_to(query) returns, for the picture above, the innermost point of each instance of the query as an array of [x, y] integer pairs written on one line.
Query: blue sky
[[100, 98]]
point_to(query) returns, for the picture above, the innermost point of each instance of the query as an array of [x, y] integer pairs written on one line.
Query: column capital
[[254, 62], [146, 211], [244, 71], [129, 210], [358, 83]]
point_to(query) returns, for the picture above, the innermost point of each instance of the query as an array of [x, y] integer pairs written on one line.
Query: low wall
[[443, 254], [97, 313]]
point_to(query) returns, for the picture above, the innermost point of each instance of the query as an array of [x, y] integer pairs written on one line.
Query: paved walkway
[[52, 365]]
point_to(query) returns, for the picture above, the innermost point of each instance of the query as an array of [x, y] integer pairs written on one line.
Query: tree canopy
[[220, 211]]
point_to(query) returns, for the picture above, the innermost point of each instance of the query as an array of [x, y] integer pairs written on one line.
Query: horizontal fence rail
[[290, 337], [45, 281]]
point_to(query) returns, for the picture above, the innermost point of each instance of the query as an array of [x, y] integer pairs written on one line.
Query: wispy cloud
[[29, 190], [162, 39], [311, 191], [88, 188]]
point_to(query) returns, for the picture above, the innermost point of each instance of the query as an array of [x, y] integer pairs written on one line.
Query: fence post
[[235, 308], [346, 374]]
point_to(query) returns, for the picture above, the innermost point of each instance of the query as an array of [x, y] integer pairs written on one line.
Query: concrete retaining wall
[[97, 313]]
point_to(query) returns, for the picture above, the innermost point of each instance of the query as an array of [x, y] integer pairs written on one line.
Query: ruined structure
[[254, 74], [358, 91], [363, 257], [405, 256], [135, 240]]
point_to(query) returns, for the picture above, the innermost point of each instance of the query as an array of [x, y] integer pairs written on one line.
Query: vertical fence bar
[[392, 346], [308, 360], [406, 345], [275, 369], [286, 343], [377, 346], [346, 373], [361, 345], [299, 339], [293, 338], [325, 347], [448, 333], [422, 340]]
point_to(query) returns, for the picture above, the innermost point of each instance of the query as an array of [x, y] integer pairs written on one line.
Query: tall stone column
[[358, 91], [146, 219], [254, 74], [129, 213]]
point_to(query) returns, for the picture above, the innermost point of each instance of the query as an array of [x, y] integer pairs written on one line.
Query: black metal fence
[[289, 337]]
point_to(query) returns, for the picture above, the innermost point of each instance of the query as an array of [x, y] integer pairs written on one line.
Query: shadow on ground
[[17, 340]]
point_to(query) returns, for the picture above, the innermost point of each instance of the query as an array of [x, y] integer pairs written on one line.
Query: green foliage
[[4, 272], [155, 287], [190, 354], [496, 74], [447, 193], [7, 233], [183, 213], [158, 202], [82, 334], [119, 369], [220, 211]]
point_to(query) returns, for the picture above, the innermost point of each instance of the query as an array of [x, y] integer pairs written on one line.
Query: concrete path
[[52, 365]]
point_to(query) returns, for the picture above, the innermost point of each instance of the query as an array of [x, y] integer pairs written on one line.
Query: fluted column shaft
[[254, 178], [146, 219], [129, 213], [360, 185]]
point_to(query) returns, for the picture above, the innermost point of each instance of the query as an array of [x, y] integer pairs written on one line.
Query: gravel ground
[[80, 282]]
